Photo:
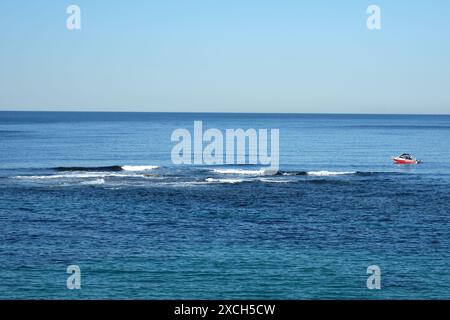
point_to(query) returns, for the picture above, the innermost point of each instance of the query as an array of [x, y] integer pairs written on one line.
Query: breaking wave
[[330, 173], [139, 168], [260, 172], [232, 181], [270, 172], [94, 182], [292, 173], [324, 173], [74, 176], [144, 176], [105, 169], [89, 169]]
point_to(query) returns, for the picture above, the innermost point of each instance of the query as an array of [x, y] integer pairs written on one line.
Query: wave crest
[[329, 173], [139, 168], [94, 182], [89, 169], [232, 181], [105, 168], [260, 172]]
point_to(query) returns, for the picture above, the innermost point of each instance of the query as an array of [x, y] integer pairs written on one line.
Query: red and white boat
[[405, 158]]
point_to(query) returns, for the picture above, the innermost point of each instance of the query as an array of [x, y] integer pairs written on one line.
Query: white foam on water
[[139, 168], [233, 181], [328, 173], [275, 180], [261, 172], [77, 176], [94, 182]]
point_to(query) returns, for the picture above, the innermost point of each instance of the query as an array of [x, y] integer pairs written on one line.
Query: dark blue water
[[72, 192]]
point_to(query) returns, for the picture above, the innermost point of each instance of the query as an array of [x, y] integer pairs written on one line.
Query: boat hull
[[405, 161]]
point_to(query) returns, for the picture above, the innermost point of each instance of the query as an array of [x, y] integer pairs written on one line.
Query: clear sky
[[226, 56]]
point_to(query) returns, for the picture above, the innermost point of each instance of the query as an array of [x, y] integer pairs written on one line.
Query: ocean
[[99, 190]]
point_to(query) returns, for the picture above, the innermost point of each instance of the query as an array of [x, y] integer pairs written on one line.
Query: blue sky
[[226, 56]]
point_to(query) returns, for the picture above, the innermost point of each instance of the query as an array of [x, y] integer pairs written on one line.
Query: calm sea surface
[[99, 190]]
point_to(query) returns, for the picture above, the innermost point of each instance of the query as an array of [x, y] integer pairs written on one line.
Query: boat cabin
[[406, 156]]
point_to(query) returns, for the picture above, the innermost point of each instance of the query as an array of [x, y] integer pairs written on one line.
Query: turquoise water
[[71, 193]]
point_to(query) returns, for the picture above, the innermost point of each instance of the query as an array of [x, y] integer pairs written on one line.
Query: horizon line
[[231, 112]]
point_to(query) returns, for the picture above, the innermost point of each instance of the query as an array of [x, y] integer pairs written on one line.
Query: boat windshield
[[406, 156]]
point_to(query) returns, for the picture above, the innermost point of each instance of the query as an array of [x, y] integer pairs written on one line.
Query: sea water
[[99, 190]]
